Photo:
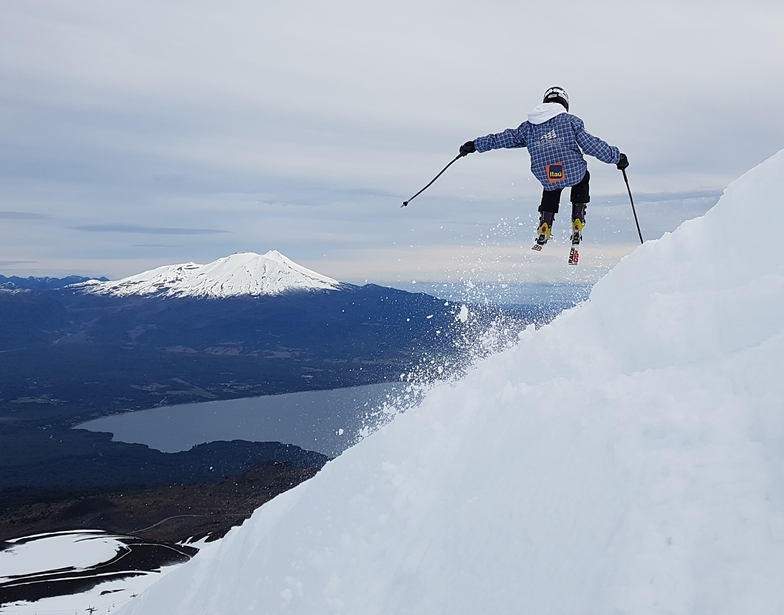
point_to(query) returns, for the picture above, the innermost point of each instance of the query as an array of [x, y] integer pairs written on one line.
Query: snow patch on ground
[[78, 549], [107, 597], [81, 551]]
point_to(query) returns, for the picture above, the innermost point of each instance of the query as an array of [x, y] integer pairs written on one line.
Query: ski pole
[[634, 211], [432, 180]]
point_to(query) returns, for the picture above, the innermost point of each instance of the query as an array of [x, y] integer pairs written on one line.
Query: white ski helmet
[[557, 95]]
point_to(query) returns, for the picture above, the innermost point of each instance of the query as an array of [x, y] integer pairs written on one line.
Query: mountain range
[[241, 274], [241, 326], [245, 325]]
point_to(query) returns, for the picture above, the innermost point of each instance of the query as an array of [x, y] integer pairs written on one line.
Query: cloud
[[146, 230], [21, 215], [659, 197], [302, 126]]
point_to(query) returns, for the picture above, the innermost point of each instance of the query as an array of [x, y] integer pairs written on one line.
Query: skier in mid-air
[[556, 141]]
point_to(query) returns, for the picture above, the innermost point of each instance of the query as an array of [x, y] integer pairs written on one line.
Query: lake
[[327, 422]]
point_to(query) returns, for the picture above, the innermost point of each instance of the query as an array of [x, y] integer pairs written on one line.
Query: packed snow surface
[[626, 458], [244, 273]]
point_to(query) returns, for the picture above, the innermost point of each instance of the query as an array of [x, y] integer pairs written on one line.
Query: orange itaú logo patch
[[555, 172]]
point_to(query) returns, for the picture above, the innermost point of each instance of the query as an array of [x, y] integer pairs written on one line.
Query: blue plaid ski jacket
[[556, 145]]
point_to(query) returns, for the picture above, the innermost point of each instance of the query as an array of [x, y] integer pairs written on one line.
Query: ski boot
[[546, 219], [578, 223]]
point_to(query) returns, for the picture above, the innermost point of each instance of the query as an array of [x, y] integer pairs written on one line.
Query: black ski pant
[[551, 199]]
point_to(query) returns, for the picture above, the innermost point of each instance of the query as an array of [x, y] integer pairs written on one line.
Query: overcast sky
[[137, 134]]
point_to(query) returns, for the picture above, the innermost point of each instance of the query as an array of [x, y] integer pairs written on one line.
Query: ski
[[574, 252]]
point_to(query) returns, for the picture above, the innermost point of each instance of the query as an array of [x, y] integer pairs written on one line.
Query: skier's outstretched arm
[[594, 146], [509, 138]]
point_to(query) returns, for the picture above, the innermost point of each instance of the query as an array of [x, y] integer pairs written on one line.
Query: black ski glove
[[467, 148], [622, 163]]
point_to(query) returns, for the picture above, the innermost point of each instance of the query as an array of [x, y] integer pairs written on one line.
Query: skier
[[556, 141]]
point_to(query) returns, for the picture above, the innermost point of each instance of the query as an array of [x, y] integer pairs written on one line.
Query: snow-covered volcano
[[627, 458], [243, 273]]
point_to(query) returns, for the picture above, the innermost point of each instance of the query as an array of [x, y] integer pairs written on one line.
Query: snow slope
[[626, 458], [244, 273]]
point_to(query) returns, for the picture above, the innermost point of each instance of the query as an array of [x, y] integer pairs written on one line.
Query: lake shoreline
[[327, 421]]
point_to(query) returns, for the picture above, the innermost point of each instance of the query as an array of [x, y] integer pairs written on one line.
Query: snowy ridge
[[626, 458], [243, 273]]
